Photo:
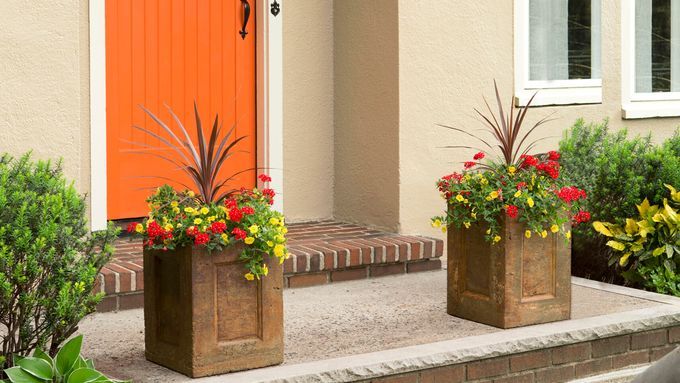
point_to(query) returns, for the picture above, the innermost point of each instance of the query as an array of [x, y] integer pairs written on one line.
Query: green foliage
[[48, 259], [68, 367], [617, 172], [647, 248]]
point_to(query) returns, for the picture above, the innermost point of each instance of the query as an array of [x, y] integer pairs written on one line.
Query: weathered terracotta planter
[[517, 282], [202, 317]]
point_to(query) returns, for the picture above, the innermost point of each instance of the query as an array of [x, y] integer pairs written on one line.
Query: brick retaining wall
[[552, 365]]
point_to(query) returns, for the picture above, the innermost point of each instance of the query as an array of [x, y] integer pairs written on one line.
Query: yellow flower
[[467, 224], [443, 229], [518, 193], [544, 233], [198, 221], [174, 204], [465, 200], [270, 243], [188, 209], [274, 221], [488, 231], [279, 250], [473, 215], [265, 269], [437, 223], [530, 202], [527, 233], [284, 230], [225, 237], [205, 210], [496, 239], [568, 234], [460, 198], [175, 210], [249, 240], [168, 227], [554, 228], [512, 170], [282, 221], [254, 229], [493, 194], [191, 194], [139, 228], [484, 181], [211, 219], [250, 276]]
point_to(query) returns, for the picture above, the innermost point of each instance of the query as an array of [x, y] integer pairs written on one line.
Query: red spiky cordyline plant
[[202, 162], [506, 128]]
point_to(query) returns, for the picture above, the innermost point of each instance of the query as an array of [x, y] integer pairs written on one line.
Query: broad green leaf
[[89, 363], [602, 229], [669, 251], [84, 375], [67, 356], [38, 353], [658, 251], [643, 208], [37, 367], [616, 245], [18, 375], [624, 259], [631, 226]]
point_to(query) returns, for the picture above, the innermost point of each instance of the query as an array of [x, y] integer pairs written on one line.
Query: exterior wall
[[308, 109], [44, 102], [367, 112], [444, 75]]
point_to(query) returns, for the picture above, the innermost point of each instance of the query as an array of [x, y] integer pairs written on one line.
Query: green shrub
[[68, 366], [48, 259], [647, 247]]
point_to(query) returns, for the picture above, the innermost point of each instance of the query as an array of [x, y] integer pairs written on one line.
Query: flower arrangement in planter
[[213, 273], [509, 223]]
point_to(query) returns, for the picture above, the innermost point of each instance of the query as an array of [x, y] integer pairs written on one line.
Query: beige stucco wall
[[44, 102], [445, 69], [367, 112], [308, 109]]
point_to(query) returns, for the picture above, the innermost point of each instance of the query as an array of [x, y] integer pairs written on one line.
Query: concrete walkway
[[335, 321]]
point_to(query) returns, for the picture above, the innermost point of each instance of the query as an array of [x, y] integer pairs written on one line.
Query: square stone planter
[[516, 282], [202, 317]]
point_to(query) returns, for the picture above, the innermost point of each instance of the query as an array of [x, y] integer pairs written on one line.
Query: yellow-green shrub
[[647, 248]]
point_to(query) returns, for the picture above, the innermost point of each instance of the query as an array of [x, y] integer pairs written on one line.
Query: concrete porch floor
[[354, 322]]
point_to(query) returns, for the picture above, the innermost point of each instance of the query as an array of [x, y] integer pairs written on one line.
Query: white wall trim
[[639, 105], [98, 172], [561, 92], [269, 103]]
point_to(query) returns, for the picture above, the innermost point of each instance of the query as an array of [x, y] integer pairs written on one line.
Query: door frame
[[269, 83]]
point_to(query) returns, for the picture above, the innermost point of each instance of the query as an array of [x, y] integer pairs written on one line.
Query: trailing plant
[[213, 217], [68, 366], [517, 185], [49, 261], [647, 248]]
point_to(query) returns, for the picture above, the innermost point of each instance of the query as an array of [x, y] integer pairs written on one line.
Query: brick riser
[[321, 252], [557, 364]]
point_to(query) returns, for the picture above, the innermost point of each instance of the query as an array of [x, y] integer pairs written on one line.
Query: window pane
[[564, 39], [656, 46]]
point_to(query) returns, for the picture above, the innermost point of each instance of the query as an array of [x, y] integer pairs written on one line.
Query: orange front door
[[174, 52]]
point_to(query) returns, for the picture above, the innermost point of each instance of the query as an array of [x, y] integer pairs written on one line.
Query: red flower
[[192, 231], [264, 178], [581, 217], [218, 227], [469, 164], [201, 239], [512, 211], [551, 168], [235, 215], [478, 156], [230, 203], [521, 185], [239, 233], [528, 161], [569, 194], [131, 227], [247, 210], [553, 155]]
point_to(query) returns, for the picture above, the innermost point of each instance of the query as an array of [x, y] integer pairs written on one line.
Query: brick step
[[321, 252]]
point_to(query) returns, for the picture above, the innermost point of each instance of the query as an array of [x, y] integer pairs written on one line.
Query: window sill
[[650, 109], [559, 96]]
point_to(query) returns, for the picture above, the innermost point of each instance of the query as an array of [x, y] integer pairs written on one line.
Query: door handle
[[246, 15]]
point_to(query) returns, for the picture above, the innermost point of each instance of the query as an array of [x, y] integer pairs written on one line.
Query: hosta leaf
[[18, 375], [616, 245], [602, 229], [68, 355], [85, 375], [38, 353], [37, 367]]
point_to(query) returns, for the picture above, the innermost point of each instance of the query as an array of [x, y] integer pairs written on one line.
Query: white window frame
[[269, 104], [557, 92], [639, 105]]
